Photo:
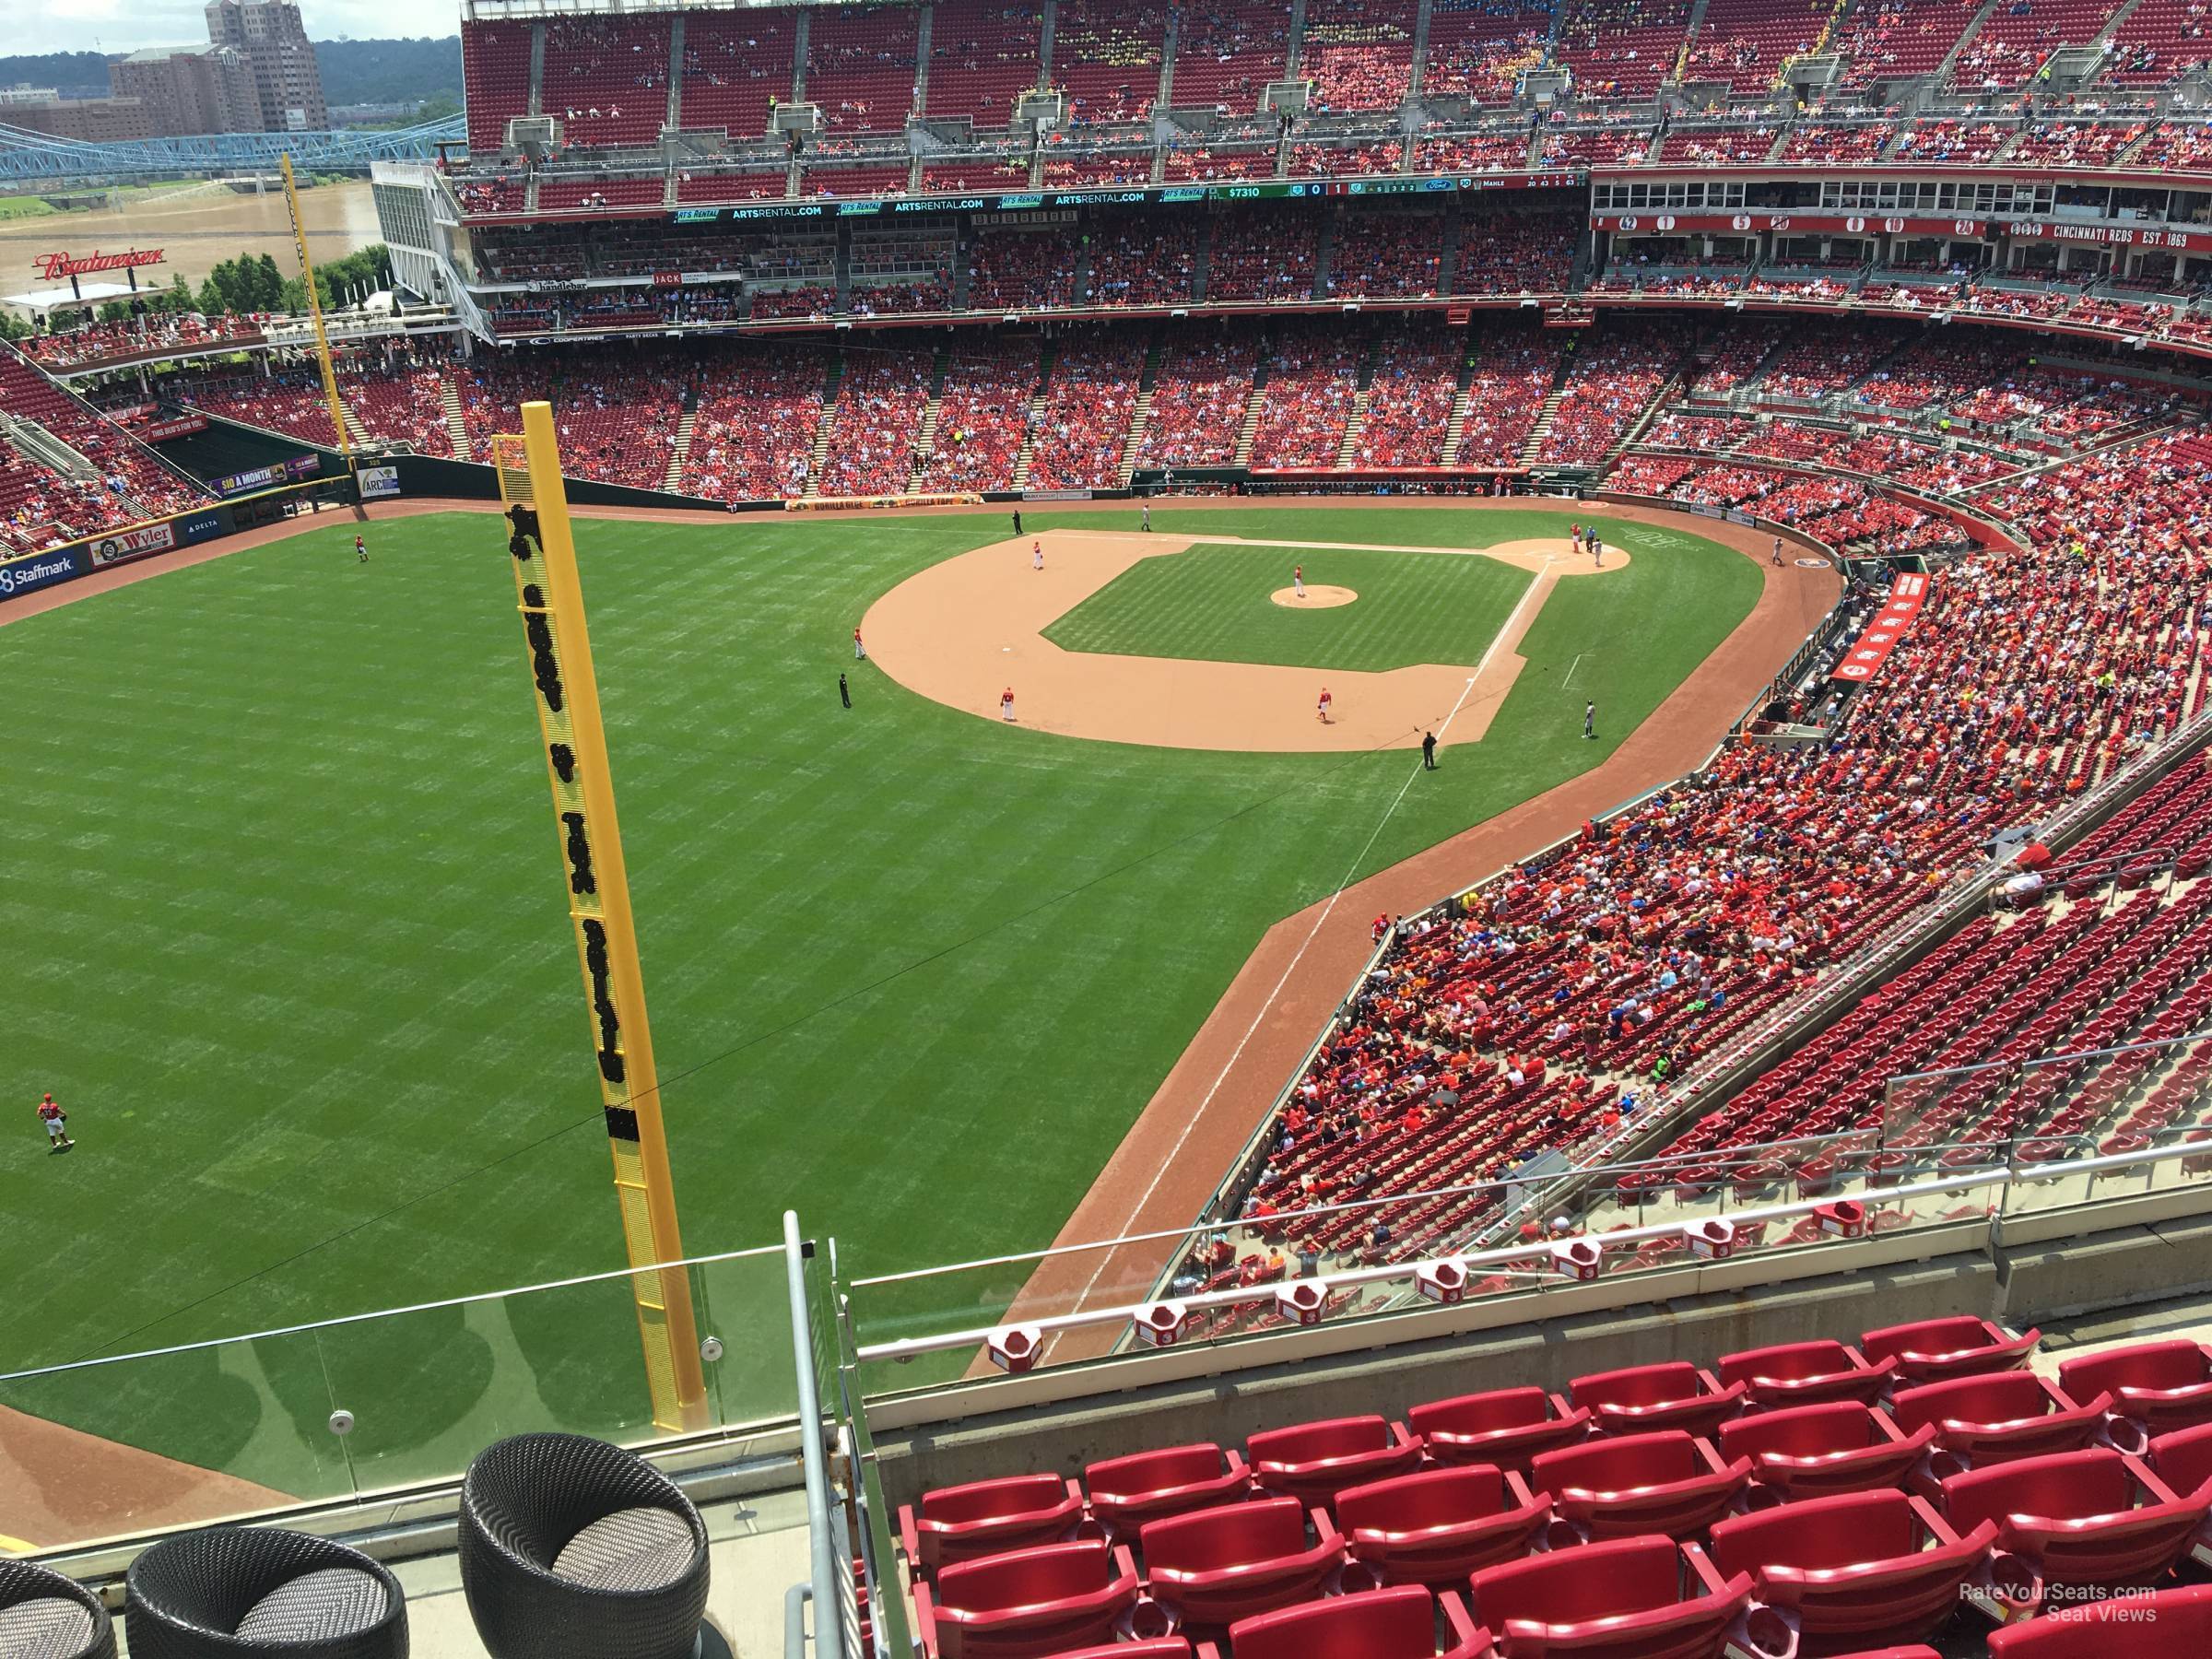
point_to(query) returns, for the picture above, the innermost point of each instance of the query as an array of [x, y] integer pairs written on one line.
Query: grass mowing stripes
[[287, 935], [1213, 604]]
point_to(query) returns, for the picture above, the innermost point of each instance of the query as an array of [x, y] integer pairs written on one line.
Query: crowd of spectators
[[1140, 261], [754, 426], [982, 411], [1199, 396], [1090, 400], [1408, 405], [1021, 269], [1306, 403], [164, 332], [1386, 255], [1612, 381], [876, 419], [1512, 372], [615, 410], [1357, 54], [1258, 256], [1107, 56]]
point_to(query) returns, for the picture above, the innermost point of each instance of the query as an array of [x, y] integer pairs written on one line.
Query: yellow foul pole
[[314, 312], [559, 653]]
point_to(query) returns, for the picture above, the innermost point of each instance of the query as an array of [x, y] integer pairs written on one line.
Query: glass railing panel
[[170, 1439]]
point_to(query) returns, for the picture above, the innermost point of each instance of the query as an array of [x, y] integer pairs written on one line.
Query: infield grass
[[287, 935], [1215, 604]]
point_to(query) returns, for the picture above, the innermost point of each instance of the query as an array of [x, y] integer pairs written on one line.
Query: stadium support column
[[559, 654]]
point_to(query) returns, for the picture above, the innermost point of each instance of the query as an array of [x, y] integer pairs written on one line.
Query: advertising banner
[[378, 482], [1907, 595], [127, 545], [176, 425], [36, 571], [261, 478]]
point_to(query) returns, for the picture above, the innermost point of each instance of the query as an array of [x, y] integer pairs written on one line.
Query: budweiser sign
[[53, 267]]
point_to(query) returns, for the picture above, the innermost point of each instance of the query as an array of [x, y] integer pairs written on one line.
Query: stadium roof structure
[[27, 156], [53, 298]]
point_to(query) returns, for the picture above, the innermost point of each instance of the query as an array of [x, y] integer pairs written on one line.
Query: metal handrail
[[821, 1541], [2001, 1176]]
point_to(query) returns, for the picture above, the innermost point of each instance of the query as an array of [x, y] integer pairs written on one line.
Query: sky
[[126, 25]]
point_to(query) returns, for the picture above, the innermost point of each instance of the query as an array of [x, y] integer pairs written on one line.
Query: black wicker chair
[[232, 1591], [46, 1615], [572, 1549]]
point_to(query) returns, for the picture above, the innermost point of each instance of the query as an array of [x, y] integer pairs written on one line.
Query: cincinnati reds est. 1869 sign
[[53, 267]]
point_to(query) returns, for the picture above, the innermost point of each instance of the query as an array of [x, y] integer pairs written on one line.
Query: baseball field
[[286, 925]]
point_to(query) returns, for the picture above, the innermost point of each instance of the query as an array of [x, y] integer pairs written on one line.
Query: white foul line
[[1571, 668], [1319, 921]]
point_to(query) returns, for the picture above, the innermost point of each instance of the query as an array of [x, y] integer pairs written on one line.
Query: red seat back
[[1431, 1497], [1801, 1431], [1233, 1535], [1852, 1567], [1616, 1600], [2183, 1458], [1310, 1442], [1029, 1603], [1638, 1386], [1394, 1623], [1622, 1465], [1128, 1491], [2066, 1486], [2168, 1621]]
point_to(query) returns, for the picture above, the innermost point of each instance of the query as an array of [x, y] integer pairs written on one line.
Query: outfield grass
[[1214, 604], [287, 931]]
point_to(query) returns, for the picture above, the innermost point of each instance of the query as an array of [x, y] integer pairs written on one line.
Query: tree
[[178, 296], [268, 283]]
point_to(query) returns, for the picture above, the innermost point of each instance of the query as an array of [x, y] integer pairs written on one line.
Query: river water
[[194, 229]]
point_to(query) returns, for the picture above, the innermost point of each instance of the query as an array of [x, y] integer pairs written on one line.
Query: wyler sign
[[53, 267]]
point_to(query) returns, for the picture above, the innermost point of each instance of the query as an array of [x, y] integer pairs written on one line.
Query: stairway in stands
[[1132, 445], [1533, 444], [357, 435], [680, 453], [456, 422], [1636, 429], [1363, 390], [1455, 426], [1248, 429], [926, 439], [1034, 419], [818, 456]]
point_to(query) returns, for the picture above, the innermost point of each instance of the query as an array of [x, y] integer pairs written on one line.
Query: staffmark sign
[[54, 267], [28, 575]]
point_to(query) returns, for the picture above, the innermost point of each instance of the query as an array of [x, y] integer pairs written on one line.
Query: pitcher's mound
[[1317, 597]]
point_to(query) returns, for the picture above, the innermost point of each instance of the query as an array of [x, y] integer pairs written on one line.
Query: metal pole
[[828, 1636], [559, 653], [314, 313]]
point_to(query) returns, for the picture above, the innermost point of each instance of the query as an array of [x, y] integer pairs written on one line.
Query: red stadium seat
[[1436, 1526], [1214, 1566], [2096, 1517], [2166, 1621], [1996, 1418], [1151, 1647], [2183, 1461], [1397, 1623], [1622, 1487], [1645, 1397], [1126, 1492], [2156, 1385], [1028, 1603], [1508, 1427], [1811, 1451], [1860, 1566], [1630, 1598], [988, 1517], [1313, 1461], [1936, 1349], [1802, 1373]]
